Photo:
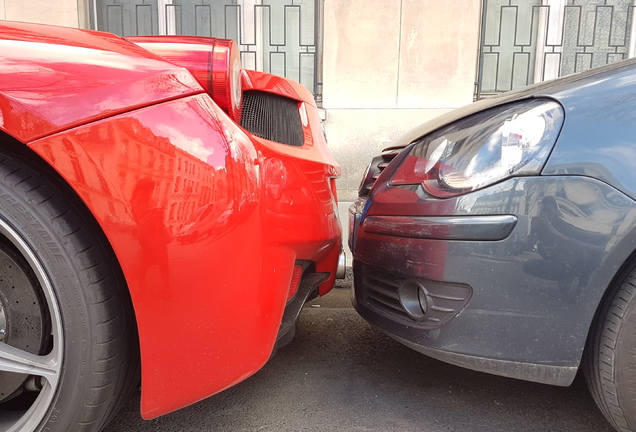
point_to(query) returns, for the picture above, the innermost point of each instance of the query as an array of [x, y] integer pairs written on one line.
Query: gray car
[[502, 237]]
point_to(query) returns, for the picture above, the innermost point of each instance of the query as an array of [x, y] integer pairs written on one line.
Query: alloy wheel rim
[[3, 323], [49, 366]]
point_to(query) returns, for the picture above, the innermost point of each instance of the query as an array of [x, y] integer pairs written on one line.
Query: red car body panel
[[213, 62], [66, 77], [206, 219]]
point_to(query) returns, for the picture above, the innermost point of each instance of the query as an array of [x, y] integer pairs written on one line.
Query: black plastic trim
[[477, 228]]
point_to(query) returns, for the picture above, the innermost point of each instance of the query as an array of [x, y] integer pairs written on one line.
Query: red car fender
[[207, 317]]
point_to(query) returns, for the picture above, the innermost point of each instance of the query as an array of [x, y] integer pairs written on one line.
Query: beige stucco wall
[[390, 65], [68, 13]]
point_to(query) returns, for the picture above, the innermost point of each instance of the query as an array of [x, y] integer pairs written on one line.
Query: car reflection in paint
[[501, 236]]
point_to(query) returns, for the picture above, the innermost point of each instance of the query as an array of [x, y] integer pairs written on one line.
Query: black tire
[[610, 356], [58, 260]]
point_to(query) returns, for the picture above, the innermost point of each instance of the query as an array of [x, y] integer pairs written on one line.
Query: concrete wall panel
[[439, 47], [361, 49], [59, 12], [390, 65]]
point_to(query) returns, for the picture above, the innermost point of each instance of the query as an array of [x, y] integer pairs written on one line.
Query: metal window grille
[[527, 41], [281, 37]]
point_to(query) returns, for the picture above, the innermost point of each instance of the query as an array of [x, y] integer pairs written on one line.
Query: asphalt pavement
[[340, 374]]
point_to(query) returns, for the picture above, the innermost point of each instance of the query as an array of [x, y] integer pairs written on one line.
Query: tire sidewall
[[625, 359], [46, 240]]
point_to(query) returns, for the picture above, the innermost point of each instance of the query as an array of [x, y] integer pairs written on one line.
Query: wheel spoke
[[18, 361]]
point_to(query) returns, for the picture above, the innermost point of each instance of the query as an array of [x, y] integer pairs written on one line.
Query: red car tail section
[[300, 183], [207, 220]]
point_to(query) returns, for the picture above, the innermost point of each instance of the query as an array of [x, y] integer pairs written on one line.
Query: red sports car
[[163, 213]]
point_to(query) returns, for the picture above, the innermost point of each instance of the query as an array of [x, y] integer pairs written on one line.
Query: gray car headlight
[[484, 148]]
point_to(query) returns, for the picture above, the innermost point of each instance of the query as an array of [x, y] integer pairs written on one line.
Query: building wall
[[390, 65], [69, 13]]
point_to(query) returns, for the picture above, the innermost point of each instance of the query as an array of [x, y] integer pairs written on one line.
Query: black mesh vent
[[272, 117]]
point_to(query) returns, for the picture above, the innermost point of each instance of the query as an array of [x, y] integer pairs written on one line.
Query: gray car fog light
[[414, 299]]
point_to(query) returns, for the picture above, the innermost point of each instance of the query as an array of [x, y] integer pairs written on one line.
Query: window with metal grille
[[527, 41], [281, 37]]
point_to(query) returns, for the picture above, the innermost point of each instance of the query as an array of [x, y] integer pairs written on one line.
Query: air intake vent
[[375, 168], [389, 294], [272, 117]]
